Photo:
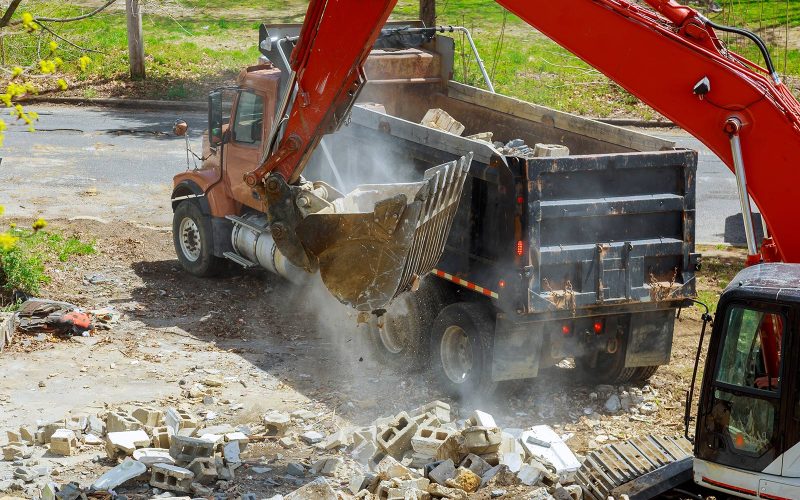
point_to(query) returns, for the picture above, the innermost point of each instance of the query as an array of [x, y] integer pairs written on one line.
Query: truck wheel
[[461, 350], [193, 239], [643, 373], [401, 337], [609, 369]]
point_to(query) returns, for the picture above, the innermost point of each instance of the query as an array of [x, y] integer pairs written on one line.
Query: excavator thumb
[[376, 242]]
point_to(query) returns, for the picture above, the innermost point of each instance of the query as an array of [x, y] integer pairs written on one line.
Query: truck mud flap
[[377, 244], [641, 468]]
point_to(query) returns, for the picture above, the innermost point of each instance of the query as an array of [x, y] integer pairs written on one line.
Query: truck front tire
[[461, 350], [194, 240]]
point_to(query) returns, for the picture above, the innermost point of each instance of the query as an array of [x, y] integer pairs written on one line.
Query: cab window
[[249, 121]]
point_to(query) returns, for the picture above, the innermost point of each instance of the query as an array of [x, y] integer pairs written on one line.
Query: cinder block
[[171, 478], [395, 438], [118, 421], [481, 419], [204, 470], [122, 444], [364, 452], [178, 420], [364, 434], [276, 423], [63, 442], [49, 429], [439, 409], [427, 440], [186, 449], [162, 436], [149, 417], [482, 440], [443, 470], [388, 468], [476, 464]]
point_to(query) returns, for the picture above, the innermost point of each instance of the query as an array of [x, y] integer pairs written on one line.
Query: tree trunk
[[427, 12], [135, 40]]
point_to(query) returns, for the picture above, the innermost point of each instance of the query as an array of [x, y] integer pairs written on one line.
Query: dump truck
[[561, 237]]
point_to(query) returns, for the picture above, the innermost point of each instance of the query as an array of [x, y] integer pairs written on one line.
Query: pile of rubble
[[420, 454], [425, 454]]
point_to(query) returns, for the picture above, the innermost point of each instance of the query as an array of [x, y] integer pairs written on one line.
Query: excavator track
[[642, 468]]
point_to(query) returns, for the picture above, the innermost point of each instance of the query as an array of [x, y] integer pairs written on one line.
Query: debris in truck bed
[[441, 120]]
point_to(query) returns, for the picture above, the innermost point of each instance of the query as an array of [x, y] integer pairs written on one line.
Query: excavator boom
[[669, 57]]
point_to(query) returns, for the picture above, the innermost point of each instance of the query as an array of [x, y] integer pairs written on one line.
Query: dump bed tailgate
[[610, 229]]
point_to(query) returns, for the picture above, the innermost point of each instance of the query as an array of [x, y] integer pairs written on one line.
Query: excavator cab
[[749, 414]]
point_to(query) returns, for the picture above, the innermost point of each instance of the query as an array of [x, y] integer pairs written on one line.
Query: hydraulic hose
[[755, 39]]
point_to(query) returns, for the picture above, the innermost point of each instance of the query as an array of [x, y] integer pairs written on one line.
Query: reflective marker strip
[[730, 487], [465, 283]]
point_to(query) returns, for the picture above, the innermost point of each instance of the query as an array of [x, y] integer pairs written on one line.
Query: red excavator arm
[[672, 60]]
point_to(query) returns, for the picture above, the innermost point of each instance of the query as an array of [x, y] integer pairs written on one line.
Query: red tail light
[[501, 283], [565, 330], [520, 248], [598, 327]]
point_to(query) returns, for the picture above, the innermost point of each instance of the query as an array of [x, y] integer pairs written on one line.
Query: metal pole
[[733, 126]]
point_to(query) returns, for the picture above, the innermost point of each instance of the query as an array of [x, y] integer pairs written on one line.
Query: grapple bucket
[[377, 241]]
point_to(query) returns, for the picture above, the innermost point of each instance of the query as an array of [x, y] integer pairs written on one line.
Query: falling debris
[[441, 120]]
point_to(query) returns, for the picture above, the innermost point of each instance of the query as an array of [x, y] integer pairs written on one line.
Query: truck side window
[[249, 120]]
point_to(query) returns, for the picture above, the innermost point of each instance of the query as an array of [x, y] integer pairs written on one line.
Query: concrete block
[[511, 460], [389, 468], [231, 453], [481, 419], [27, 434], [15, 451], [438, 408], [395, 438], [318, 489], [150, 456], [442, 472], [77, 423], [543, 442], [427, 440], [118, 421], [465, 480], [178, 420], [149, 417], [453, 448], [326, 466], [122, 444], [186, 449], [439, 491], [491, 458], [362, 480], [92, 440], [364, 452], [276, 423], [336, 440], [171, 478], [201, 491], [161, 437], [204, 470], [239, 437], [63, 442], [364, 434], [529, 475], [48, 430], [221, 429], [476, 464], [312, 437], [482, 440], [224, 472]]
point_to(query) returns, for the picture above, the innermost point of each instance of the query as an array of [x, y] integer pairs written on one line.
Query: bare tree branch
[[68, 19], [9, 12], [85, 49]]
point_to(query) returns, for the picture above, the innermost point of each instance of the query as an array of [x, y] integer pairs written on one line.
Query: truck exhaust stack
[[376, 242]]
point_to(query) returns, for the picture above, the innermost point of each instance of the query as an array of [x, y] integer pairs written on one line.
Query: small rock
[[497, 493], [295, 469], [613, 404], [312, 437]]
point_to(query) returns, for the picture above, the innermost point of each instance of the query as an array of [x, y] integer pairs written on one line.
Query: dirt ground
[[277, 347]]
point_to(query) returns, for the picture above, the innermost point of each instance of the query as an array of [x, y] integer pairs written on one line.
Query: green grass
[[25, 266], [194, 45]]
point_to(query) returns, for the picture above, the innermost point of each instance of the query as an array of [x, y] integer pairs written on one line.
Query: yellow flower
[[84, 62], [52, 46], [39, 224], [47, 66], [16, 71], [62, 84], [13, 225], [58, 61], [28, 23], [7, 242], [2, 209], [2, 135]]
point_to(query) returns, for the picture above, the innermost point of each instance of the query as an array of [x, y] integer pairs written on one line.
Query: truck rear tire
[[194, 241], [643, 373], [461, 350], [403, 341], [609, 369]]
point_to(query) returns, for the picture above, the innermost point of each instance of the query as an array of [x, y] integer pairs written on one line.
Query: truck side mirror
[[215, 136]]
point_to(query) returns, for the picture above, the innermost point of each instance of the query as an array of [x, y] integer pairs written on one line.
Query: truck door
[[741, 414], [243, 148]]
